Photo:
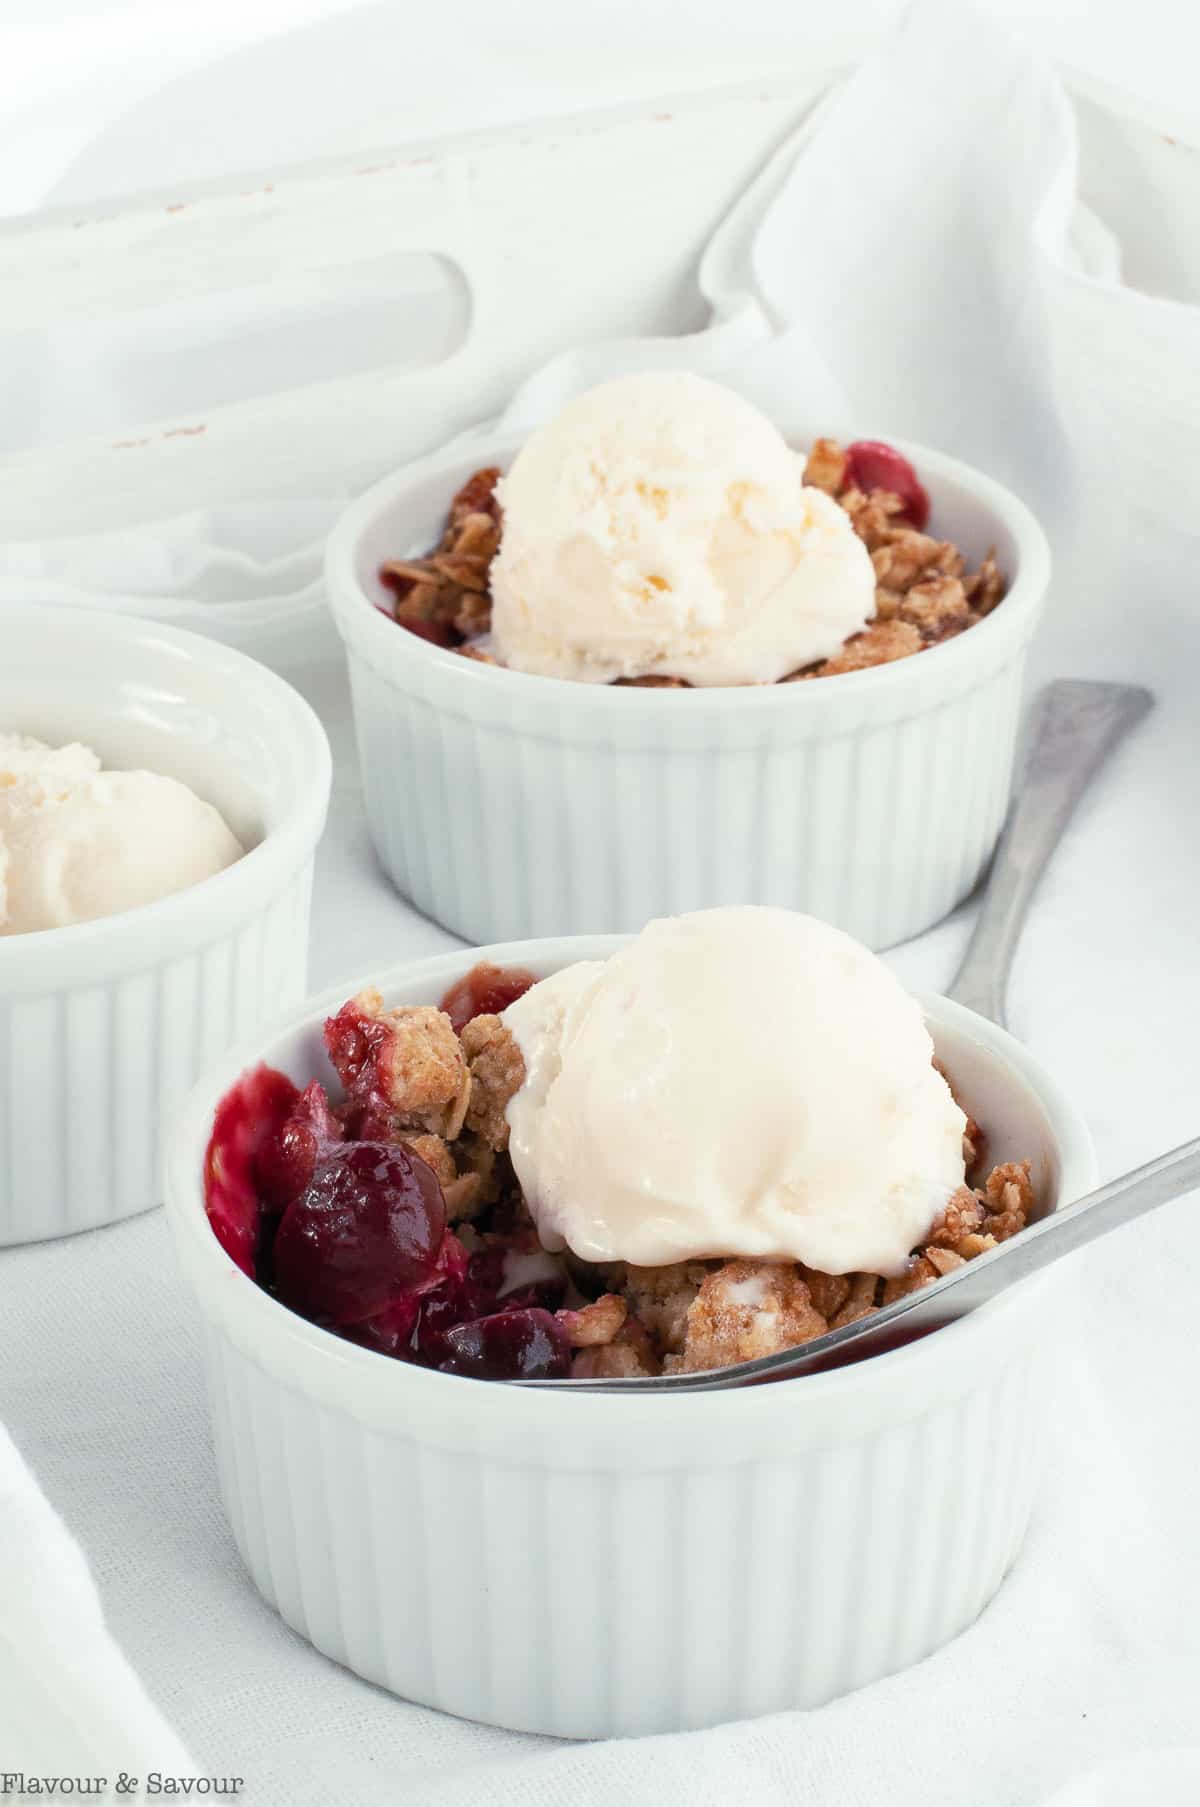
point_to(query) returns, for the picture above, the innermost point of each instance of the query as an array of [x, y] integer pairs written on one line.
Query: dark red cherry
[[365, 1231], [485, 991], [441, 1312], [358, 1043], [391, 1332], [288, 1158], [509, 1345], [355, 1040], [448, 1301], [438, 633], [871, 464], [450, 1268], [248, 1118], [487, 1289], [485, 1281], [409, 1328]]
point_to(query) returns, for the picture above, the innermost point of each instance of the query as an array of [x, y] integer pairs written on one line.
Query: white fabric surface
[[208, 88], [70, 1703], [917, 269]]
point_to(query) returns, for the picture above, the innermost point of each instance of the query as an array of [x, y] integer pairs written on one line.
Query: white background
[[106, 97]]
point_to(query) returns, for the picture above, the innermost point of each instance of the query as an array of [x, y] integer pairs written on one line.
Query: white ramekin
[[103, 1027], [593, 1566], [506, 805]]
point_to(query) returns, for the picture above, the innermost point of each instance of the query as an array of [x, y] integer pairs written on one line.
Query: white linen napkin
[[916, 263], [70, 1705]]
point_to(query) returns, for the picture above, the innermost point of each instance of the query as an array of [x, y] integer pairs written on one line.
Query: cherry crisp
[[391, 1216], [924, 593]]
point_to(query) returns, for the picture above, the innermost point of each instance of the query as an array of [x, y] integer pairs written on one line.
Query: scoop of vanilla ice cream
[[77, 842], [661, 526], [31, 765], [743, 1081]]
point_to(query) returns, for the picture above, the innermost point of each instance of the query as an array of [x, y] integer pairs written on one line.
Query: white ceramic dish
[[507, 806], [591, 1565], [103, 1027]]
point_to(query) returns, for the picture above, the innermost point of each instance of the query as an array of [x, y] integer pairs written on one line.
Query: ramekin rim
[[182, 1166], [281, 851], [358, 614]]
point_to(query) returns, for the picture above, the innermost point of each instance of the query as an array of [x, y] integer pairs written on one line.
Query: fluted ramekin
[[506, 805], [596, 1565], [104, 1026]]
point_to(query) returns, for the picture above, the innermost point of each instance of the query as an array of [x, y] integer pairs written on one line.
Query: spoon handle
[[1077, 726], [1070, 1228]]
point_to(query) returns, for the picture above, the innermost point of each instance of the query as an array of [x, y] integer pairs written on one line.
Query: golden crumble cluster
[[444, 596], [445, 1094], [441, 1094], [924, 592]]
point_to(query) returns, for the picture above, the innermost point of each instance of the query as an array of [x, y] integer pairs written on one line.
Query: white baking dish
[[104, 1026], [506, 806], [591, 1565]]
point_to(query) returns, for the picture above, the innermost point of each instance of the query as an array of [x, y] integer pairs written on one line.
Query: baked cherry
[[354, 1039], [441, 1312], [490, 1285], [391, 1333], [449, 1300], [410, 1328], [288, 1158], [485, 991], [247, 1121], [871, 464], [366, 1231], [509, 1345], [438, 633], [357, 1041], [484, 1281]]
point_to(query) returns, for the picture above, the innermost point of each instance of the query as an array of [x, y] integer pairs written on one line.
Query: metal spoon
[[1067, 1229], [1077, 726]]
